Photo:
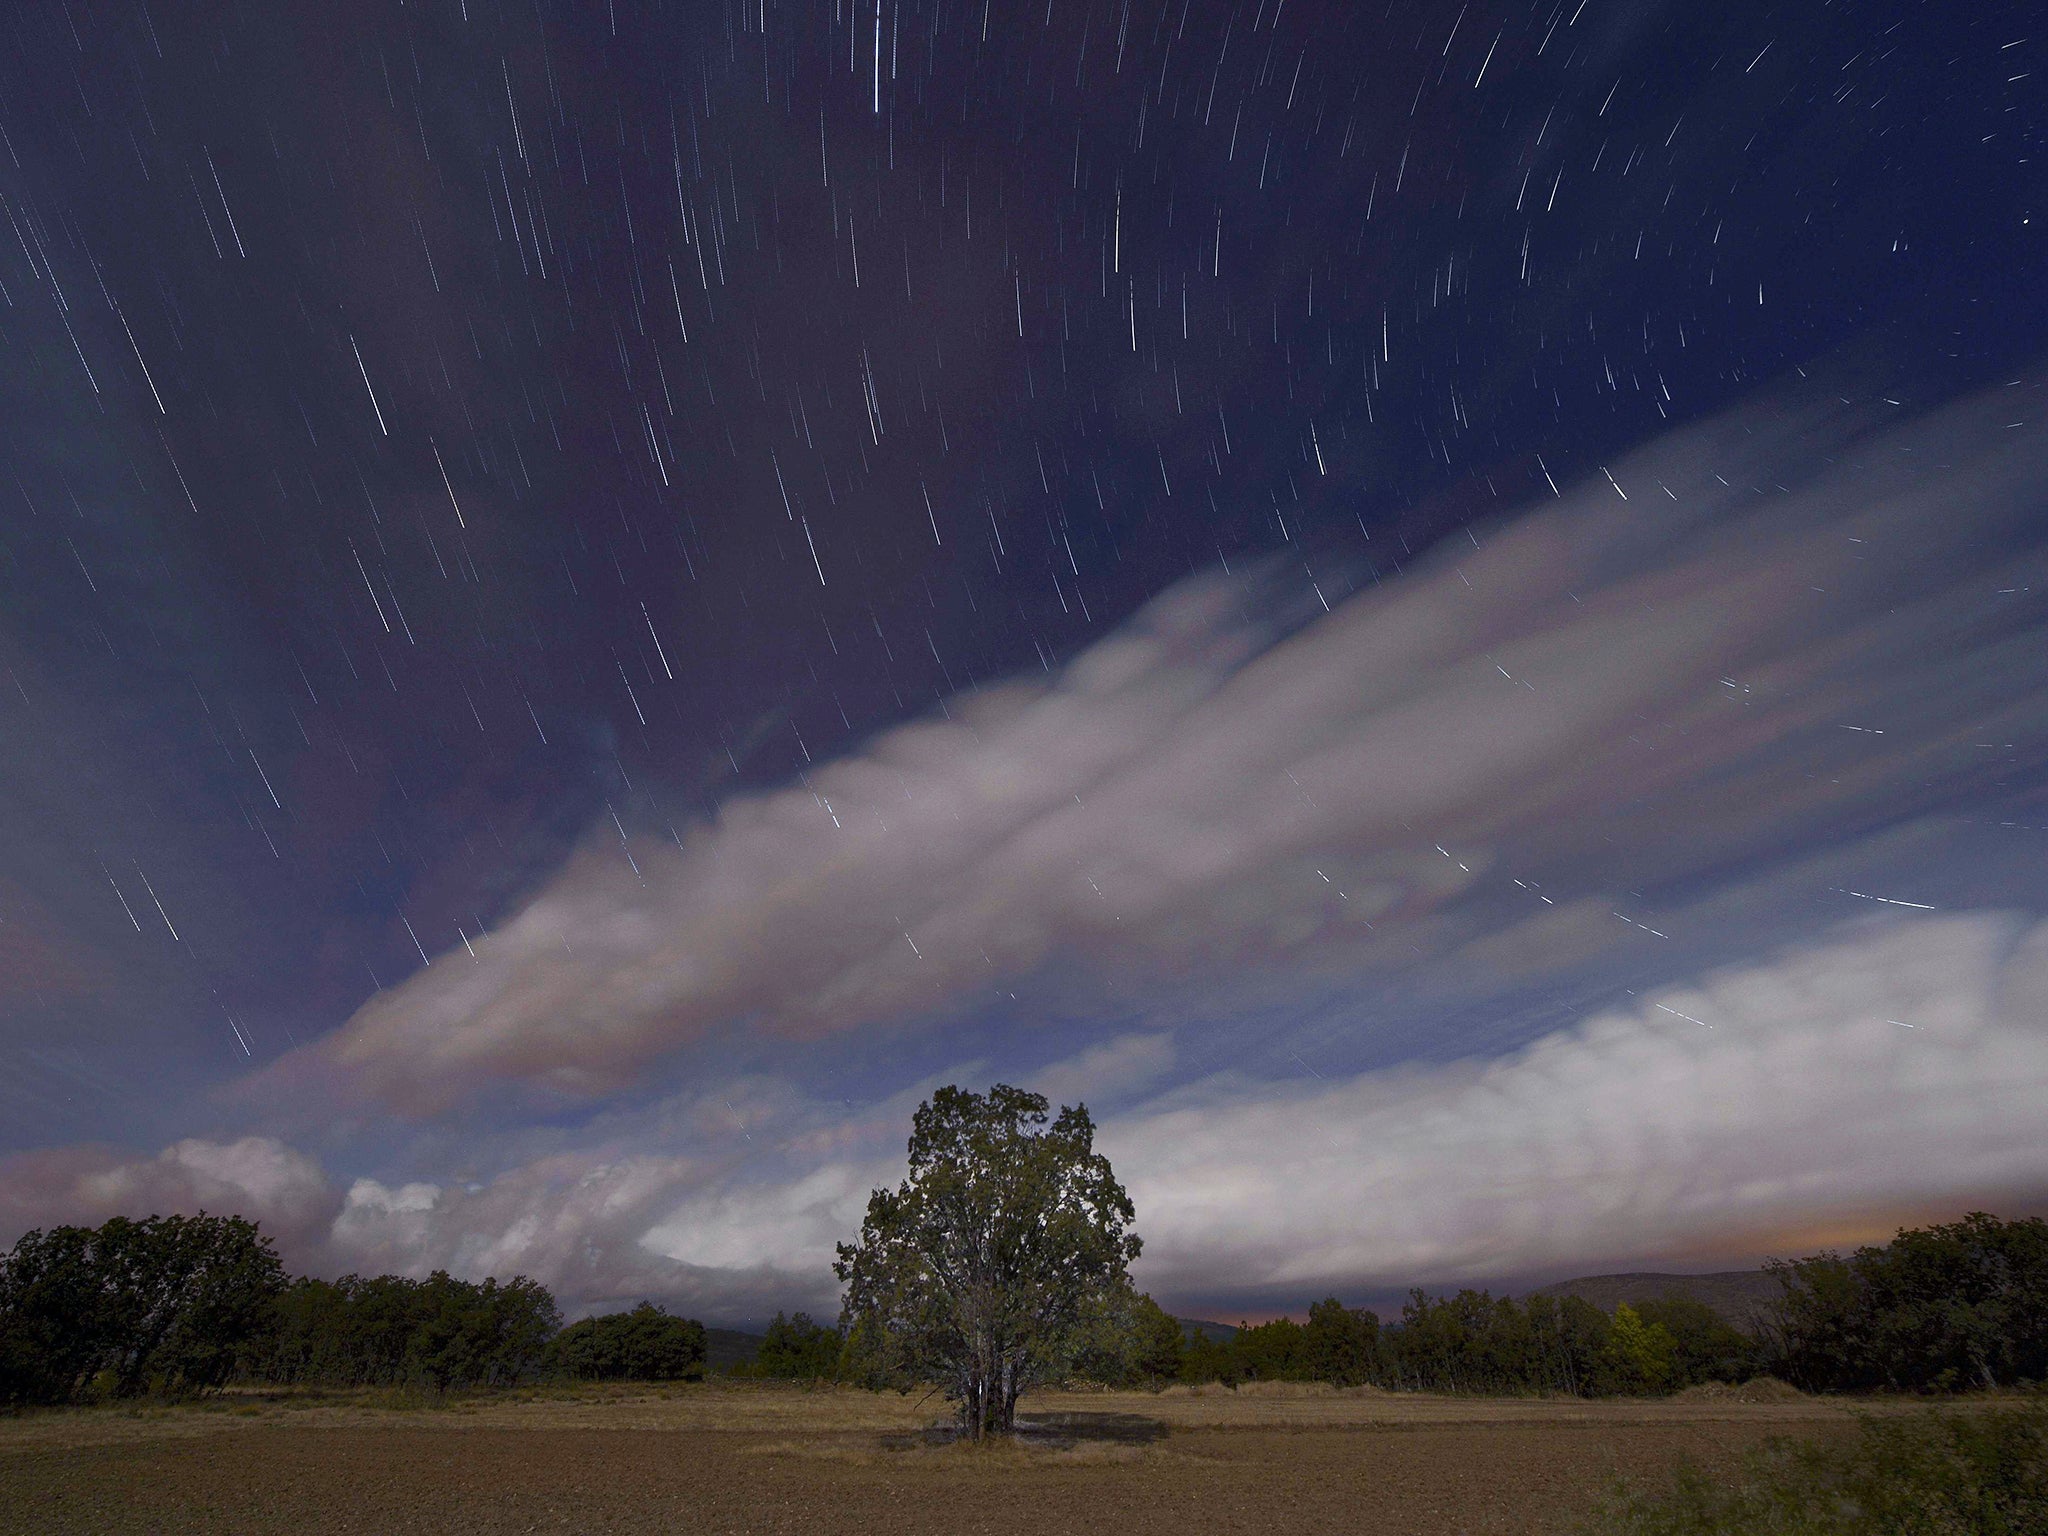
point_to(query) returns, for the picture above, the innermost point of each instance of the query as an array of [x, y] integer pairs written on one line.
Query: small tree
[[645, 1344], [1341, 1343], [797, 1349], [1157, 1344], [992, 1264], [1642, 1354]]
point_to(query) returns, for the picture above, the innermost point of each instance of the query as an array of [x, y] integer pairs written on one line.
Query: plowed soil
[[718, 1459]]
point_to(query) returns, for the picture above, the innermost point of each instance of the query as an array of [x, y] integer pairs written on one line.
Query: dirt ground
[[718, 1458]]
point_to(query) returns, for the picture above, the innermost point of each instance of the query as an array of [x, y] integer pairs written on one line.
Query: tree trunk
[[1007, 1421], [970, 1403]]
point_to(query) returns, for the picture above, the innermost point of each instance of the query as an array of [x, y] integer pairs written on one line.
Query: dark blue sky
[[467, 464]]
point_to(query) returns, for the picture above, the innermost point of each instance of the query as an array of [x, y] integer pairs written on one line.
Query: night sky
[[1439, 610]]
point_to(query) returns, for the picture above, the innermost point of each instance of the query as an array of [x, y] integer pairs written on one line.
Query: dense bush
[[175, 1305], [1924, 1474], [387, 1330], [796, 1349], [1942, 1308], [165, 1305], [645, 1344]]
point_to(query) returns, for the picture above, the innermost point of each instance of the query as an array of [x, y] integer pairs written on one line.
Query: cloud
[[1899, 1067], [1112, 1069], [1663, 663], [1824, 1093], [1897, 1070], [257, 1177], [590, 1224]]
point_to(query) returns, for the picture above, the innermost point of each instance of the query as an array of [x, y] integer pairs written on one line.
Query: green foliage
[[1340, 1343], [1941, 1308], [997, 1262], [1275, 1351], [387, 1330], [797, 1349], [1157, 1345], [645, 1344], [1705, 1347], [1643, 1354], [164, 1305], [1982, 1473]]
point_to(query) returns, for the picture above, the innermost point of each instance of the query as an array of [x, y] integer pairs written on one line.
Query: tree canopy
[[645, 1344], [1000, 1260], [164, 1304], [1959, 1305]]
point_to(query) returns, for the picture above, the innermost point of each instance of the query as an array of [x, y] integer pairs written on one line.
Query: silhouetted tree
[[1275, 1351], [166, 1304], [53, 1316], [1157, 1344], [1208, 1359]]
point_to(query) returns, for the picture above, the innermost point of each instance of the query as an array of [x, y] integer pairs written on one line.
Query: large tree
[[167, 1304], [999, 1260]]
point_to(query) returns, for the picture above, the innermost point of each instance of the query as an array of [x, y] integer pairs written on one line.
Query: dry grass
[[779, 1408], [759, 1457]]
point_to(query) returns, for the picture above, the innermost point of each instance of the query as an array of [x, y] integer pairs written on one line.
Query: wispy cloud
[[1742, 634], [1896, 1068]]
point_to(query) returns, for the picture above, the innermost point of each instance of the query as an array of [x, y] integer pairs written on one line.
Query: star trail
[[591, 594]]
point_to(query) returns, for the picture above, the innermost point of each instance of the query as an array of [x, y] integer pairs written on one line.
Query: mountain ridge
[[1742, 1297]]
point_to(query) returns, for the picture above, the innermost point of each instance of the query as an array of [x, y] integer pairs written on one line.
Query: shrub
[[1933, 1473], [645, 1344]]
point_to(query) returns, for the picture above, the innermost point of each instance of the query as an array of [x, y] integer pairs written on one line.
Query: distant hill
[[1221, 1333], [729, 1346], [1742, 1296]]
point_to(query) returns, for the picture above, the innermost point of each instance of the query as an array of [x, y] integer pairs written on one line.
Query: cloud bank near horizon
[[1825, 1094], [1751, 632]]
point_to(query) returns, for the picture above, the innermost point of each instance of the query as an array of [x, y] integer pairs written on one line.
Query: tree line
[[1471, 1342], [1000, 1263], [1937, 1309], [177, 1305]]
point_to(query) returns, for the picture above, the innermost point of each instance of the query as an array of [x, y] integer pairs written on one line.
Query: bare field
[[759, 1458]]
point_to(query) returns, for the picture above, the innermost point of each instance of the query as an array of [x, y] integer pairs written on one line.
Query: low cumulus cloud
[[1824, 1094], [1736, 636], [258, 1177]]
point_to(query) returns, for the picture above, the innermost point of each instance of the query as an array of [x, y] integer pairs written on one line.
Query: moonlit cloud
[[1753, 630], [1899, 1067], [256, 1176]]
